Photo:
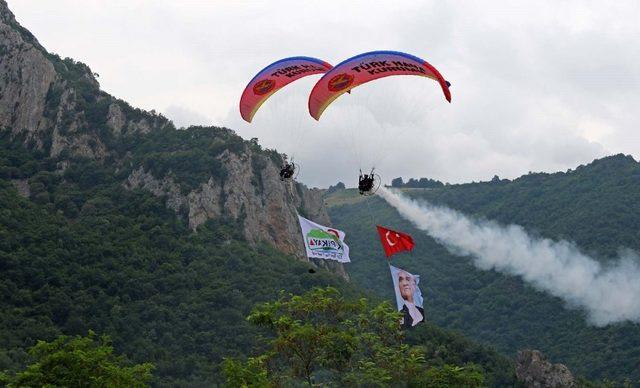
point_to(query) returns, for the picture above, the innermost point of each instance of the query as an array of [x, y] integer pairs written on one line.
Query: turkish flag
[[394, 242]]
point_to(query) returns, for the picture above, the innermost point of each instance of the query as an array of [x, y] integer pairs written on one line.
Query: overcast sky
[[537, 86]]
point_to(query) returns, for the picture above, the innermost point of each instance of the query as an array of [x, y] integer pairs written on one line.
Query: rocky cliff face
[[252, 192], [533, 370], [26, 76], [55, 105]]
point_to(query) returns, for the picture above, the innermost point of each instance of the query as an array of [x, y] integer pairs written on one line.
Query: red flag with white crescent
[[394, 242]]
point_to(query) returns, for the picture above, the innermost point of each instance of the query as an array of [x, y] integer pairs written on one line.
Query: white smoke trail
[[609, 293]]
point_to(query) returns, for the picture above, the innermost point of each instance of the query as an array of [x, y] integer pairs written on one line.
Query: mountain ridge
[[56, 107], [594, 206]]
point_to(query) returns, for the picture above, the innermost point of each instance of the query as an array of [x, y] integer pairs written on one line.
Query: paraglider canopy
[[273, 78], [367, 67]]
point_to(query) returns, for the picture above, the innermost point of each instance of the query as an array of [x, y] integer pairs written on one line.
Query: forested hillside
[[79, 251], [596, 206], [83, 253], [113, 220]]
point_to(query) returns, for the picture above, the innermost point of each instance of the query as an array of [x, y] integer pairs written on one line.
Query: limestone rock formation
[[26, 76], [56, 106], [534, 370], [22, 185], [267, 206]]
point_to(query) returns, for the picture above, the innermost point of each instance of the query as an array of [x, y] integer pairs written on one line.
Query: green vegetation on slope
[[82, 253], [88, 254], [596, 206], [323, 338], [79, 361]]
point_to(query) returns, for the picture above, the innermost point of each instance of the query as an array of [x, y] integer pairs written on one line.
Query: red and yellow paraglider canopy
[[367, 67], [273, 78]]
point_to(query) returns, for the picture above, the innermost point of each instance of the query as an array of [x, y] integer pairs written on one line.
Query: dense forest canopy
[[82, 253], [596, 206]]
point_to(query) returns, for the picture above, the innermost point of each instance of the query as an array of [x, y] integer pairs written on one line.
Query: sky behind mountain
[[537, 86]]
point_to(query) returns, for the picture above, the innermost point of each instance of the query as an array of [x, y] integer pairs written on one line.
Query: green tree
[[79, 362], [450, 376], [321, 338], [253, 373]]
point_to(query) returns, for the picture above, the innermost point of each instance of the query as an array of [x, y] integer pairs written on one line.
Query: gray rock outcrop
[[534, 370], [26, 76], [22, 186], [56, 106], [267, 206]]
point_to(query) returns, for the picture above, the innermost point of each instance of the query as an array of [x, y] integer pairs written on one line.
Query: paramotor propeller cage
[[376, 185], [296, 171]]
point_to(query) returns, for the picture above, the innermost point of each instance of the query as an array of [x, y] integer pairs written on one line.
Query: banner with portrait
[[408, 296]]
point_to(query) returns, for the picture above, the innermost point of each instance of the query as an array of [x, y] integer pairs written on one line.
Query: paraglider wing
[[368, 67], [273, 78]]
